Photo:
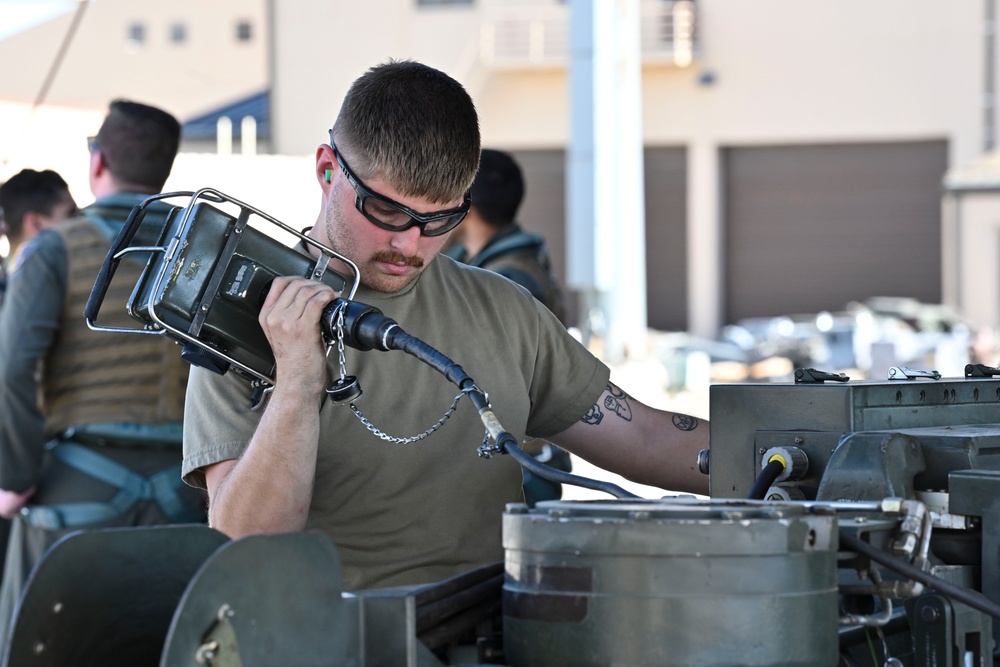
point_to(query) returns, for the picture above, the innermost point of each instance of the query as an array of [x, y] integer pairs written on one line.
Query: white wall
[[282, 186], [810, 70], [971, 242], [321, 47], [785, 71], [50, 137], [209, 69]]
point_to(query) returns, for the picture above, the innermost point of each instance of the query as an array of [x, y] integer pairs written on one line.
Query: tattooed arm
[[640, 443]]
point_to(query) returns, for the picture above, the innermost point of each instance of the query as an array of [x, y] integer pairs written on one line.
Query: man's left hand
[[11, 502]]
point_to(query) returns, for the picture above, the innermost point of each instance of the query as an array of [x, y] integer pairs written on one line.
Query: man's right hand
[[269, 488], [290, 317]]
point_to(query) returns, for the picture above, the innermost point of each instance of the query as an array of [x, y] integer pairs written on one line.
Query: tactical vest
[[523, 258], [92, 377]]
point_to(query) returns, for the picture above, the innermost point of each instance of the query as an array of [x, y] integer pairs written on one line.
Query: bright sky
[[17, 15]]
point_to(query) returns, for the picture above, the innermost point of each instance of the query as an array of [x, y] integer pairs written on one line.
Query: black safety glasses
[[393, 216]]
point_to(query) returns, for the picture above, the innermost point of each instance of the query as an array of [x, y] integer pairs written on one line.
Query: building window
[[243, 31], [178, 33], [137, 34]]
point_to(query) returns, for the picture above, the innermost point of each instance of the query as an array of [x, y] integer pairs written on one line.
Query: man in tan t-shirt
[[394, 179]]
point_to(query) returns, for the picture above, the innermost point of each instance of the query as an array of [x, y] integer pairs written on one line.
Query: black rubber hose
[[367, 328], [400, 340], [765, 479], [972, 598], [536, 467]]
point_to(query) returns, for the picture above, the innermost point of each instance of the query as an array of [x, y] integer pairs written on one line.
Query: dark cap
[[499, 187]]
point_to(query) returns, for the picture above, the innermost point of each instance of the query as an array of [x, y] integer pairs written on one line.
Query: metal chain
[[406, 441], [340, 340], [367, 423]]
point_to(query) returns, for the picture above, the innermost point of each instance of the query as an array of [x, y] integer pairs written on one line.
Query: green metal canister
[[670, 582]]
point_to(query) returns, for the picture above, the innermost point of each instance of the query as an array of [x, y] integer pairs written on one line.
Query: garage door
[[544, 208], [813, 227], [544, 211], [666, 238]]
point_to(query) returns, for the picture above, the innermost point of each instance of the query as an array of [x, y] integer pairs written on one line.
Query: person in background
[[30, 201], [490, 237], [90, 421]]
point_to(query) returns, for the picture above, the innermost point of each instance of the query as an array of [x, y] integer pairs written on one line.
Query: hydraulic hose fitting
[[794, 460]]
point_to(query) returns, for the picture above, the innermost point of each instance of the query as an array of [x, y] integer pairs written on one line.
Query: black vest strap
[[517, 242]]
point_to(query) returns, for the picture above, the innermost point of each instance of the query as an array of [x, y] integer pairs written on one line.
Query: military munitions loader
[[850, 522]]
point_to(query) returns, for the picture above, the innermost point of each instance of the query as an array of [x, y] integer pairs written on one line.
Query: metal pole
[[989, 71], [605, 178]]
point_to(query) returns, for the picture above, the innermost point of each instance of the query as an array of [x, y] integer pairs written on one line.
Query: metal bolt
[[799, 440], [57, 607], [39, 648], [206, 652], [929, 614], [703, 461]]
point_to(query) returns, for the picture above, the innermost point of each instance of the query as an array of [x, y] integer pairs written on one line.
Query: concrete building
[[793, 166], [188, 57], [794, 150], [971, 239]]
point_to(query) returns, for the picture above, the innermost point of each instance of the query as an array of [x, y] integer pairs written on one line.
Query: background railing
[[538, 36]]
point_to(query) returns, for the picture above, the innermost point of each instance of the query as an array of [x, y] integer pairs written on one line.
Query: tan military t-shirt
[[421, 512]]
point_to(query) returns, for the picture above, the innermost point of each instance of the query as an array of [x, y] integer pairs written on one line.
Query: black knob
[[344, 390]]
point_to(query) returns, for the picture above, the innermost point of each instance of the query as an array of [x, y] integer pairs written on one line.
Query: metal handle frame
[[159, 326]]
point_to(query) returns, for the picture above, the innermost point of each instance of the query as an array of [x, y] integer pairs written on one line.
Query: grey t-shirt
[[421, 512]]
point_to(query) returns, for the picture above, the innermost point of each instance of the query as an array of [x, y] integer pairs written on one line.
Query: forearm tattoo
[[685, 422], [594, 415], [617, 402]]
